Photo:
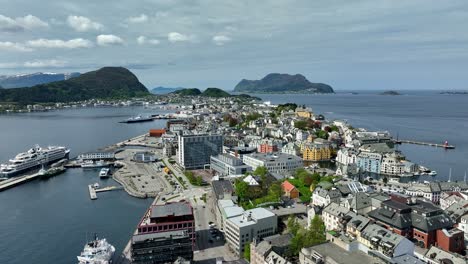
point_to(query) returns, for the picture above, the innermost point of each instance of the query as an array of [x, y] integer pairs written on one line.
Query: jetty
[[93, 191], [445, 145]]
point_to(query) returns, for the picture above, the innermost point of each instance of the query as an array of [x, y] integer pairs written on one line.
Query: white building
[[346, 156], [274, 162], [255, 223], [225, 164], [332, 214], [322, 197]]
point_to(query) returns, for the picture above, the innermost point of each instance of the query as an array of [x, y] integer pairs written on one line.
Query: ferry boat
[[91, 164], [104, 173], [98, 251], [138, 119], [44, 174], [32, 159]]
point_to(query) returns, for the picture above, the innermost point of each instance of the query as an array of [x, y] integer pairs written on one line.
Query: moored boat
[[104, 173], [98, 251]]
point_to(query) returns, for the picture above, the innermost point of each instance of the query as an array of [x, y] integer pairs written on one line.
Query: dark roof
[[221, 187], [171, 209]]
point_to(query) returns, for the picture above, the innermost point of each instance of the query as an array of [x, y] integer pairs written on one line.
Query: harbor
[[94, 189], [445, 145]]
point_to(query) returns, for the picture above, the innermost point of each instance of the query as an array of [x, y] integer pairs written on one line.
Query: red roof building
[[290, 190]]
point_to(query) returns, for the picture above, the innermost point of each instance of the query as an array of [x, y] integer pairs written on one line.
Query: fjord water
[[48, 221]]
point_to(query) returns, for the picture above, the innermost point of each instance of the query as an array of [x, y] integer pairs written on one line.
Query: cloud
[[51, 63], [12, 46], [221, 39], [83, 24], [45, 64], [29, 22], [109, 40], [138, 19], [60, 44], [177, 37], [141, 40]]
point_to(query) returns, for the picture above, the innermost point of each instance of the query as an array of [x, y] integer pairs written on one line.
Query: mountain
[[215, 92], [188, 92], [164, 90], [390, 93], [28, 80], [282, 83], [105, 83]]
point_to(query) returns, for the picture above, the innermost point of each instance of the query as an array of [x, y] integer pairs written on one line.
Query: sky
[[351, 45]]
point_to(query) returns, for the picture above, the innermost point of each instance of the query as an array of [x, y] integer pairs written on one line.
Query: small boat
[[98, 251], [394, 180], [45, 174], [96, 185], [432, 173], [92, 164], [104, 173]]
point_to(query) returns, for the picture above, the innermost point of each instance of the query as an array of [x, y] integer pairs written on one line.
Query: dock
[[445, 145], [93, 191], [10, 183]]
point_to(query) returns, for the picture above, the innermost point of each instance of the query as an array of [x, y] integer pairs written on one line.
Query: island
[[455, 92], [390, 93], [214, 93], [282, 83], [165, 90], [105, 83]]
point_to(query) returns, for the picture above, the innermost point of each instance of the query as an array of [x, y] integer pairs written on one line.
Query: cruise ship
[[34, 158]]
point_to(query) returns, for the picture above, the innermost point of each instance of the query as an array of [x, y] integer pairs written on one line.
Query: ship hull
[[32, 168]]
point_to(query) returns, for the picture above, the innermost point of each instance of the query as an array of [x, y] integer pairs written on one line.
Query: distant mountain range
[[28, 80], [105, 83], [282, 83], [165, 90]]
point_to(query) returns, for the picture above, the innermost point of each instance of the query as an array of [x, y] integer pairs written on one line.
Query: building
[[226, 210], [270, 249], [145, 157], [419, 220], [274, 162], [165, 233], [329, 253], [436, 255], [304, 112], [176, 125], [347, 156], [269, 146], [255, 223], [195, 151], [289, 190], [222, 189], [392, 164], [157, 132], [380, 240], [369, 162], [316, 152], [225, 164], [291, 149], [332, 215], [322, 197]]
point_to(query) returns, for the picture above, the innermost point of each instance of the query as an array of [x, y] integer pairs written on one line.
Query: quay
[[445, 145], [10, 183], [92, 192]]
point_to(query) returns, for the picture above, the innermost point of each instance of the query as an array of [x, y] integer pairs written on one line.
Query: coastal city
[[247, 181], [233, 132]]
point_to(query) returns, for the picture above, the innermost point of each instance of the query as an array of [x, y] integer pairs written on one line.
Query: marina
[[94, 189]]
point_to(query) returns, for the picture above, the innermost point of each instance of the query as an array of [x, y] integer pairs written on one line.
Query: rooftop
[[171, 209], [339, 255], [277, 156], [250, 217]]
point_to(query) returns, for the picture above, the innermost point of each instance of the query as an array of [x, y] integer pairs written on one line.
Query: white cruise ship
[[34, 158], [98, 251]]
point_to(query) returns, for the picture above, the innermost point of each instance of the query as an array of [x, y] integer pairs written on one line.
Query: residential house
[[332, 215], [289, 190]]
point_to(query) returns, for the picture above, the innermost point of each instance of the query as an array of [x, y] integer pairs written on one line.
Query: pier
[[93, 191], [445, 145], [10, 183]]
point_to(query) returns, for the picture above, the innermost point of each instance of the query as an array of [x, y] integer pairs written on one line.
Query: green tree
[[242, 189], [275, 190], [293, 225], [247, 252], [385, 180], [301, 124], [316, 232]]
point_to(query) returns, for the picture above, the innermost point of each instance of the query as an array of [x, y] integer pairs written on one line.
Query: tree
[[301, 124], [275, 190], [316, 232], [247, 252], [293, 225], [242, 189]]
